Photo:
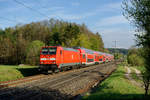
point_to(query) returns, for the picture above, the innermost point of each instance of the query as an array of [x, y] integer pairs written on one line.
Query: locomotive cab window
[[50, 51], [44, 51]]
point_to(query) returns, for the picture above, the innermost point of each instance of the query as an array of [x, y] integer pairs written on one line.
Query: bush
[[134, 58]]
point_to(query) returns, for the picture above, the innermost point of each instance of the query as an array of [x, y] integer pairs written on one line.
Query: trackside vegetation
[[137, 12], [134, 57], [117, 87], [10, 72]]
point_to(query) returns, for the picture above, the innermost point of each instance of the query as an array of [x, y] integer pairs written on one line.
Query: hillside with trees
[[21, 44]]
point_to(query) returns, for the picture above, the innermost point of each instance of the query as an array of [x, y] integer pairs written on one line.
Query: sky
[[103, 16]]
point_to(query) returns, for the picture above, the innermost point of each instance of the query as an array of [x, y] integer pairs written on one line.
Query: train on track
[[58, 58]]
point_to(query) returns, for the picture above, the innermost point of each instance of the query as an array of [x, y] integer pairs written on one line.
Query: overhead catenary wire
[[26, 6]]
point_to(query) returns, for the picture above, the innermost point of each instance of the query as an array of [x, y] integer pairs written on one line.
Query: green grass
[[10, 72], [116, 87]]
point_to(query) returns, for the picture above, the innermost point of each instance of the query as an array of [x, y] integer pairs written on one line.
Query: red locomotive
[[58, 58]]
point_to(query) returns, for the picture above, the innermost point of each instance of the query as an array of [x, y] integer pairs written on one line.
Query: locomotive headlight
[[43, 59], [52, 58]]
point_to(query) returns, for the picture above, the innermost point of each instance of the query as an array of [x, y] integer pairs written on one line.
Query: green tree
[[84, 41], [137, 11], [7, 51], [33, 52], [71, 32]]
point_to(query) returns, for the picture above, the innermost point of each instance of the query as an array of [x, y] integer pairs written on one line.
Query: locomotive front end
[[48, 59]]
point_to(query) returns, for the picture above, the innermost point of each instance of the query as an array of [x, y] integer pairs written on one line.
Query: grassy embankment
[[116, 87], [9, 72]]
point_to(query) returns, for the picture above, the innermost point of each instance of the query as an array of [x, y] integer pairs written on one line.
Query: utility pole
[[115, 43], [115, 53]]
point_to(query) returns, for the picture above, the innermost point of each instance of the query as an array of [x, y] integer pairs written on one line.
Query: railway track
[[64, 85], [19, 81]]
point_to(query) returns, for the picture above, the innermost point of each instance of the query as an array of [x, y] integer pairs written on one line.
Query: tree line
[[118, 50], [21, 44]]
